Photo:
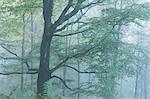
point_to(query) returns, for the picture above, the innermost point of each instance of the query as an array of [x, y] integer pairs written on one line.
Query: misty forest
[[74, 49]]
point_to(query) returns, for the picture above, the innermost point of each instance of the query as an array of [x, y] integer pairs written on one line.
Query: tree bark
[[44, 71]]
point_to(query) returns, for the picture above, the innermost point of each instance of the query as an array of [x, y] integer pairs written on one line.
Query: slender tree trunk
[[78, 41], [141, 86], [145, 82], [64, 77], [136, 85], [138, 71], [22, 52], [120, 91], [32, 30], [64, 69], [78, 95]]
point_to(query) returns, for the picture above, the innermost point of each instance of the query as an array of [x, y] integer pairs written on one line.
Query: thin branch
[[11, 8], [9, 51], [66, 17], [80, 71], [30, 69], [62, 81], [10, 58], [70, 57], [92, 4], [17, 73], [58, 35], [68, 24], [18, 58]]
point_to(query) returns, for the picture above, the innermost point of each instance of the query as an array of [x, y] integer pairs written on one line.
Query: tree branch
[[92, 4], [66, 17], [62, 81], [58, 35], [11, 8], [66, 9], [68, 24], [10, 58], [17, 73], [79, 71], [10, 51], [70, 57], [18, 58]]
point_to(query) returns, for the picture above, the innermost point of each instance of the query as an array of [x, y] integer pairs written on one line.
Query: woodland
[[74, 49]]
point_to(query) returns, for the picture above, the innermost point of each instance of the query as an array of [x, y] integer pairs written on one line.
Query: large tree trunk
[[44, 71]]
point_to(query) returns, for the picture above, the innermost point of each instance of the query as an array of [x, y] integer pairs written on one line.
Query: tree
[[50, 28]]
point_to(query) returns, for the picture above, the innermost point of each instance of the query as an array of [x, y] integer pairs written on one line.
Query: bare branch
[[66, 17], [71, 33], [9, 51], [18, 58], [79, 71], [92, 4], [10, 58], [17, 73], [30, 69], [70, 57], [68, 24], [62, 81], [20, 7]]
